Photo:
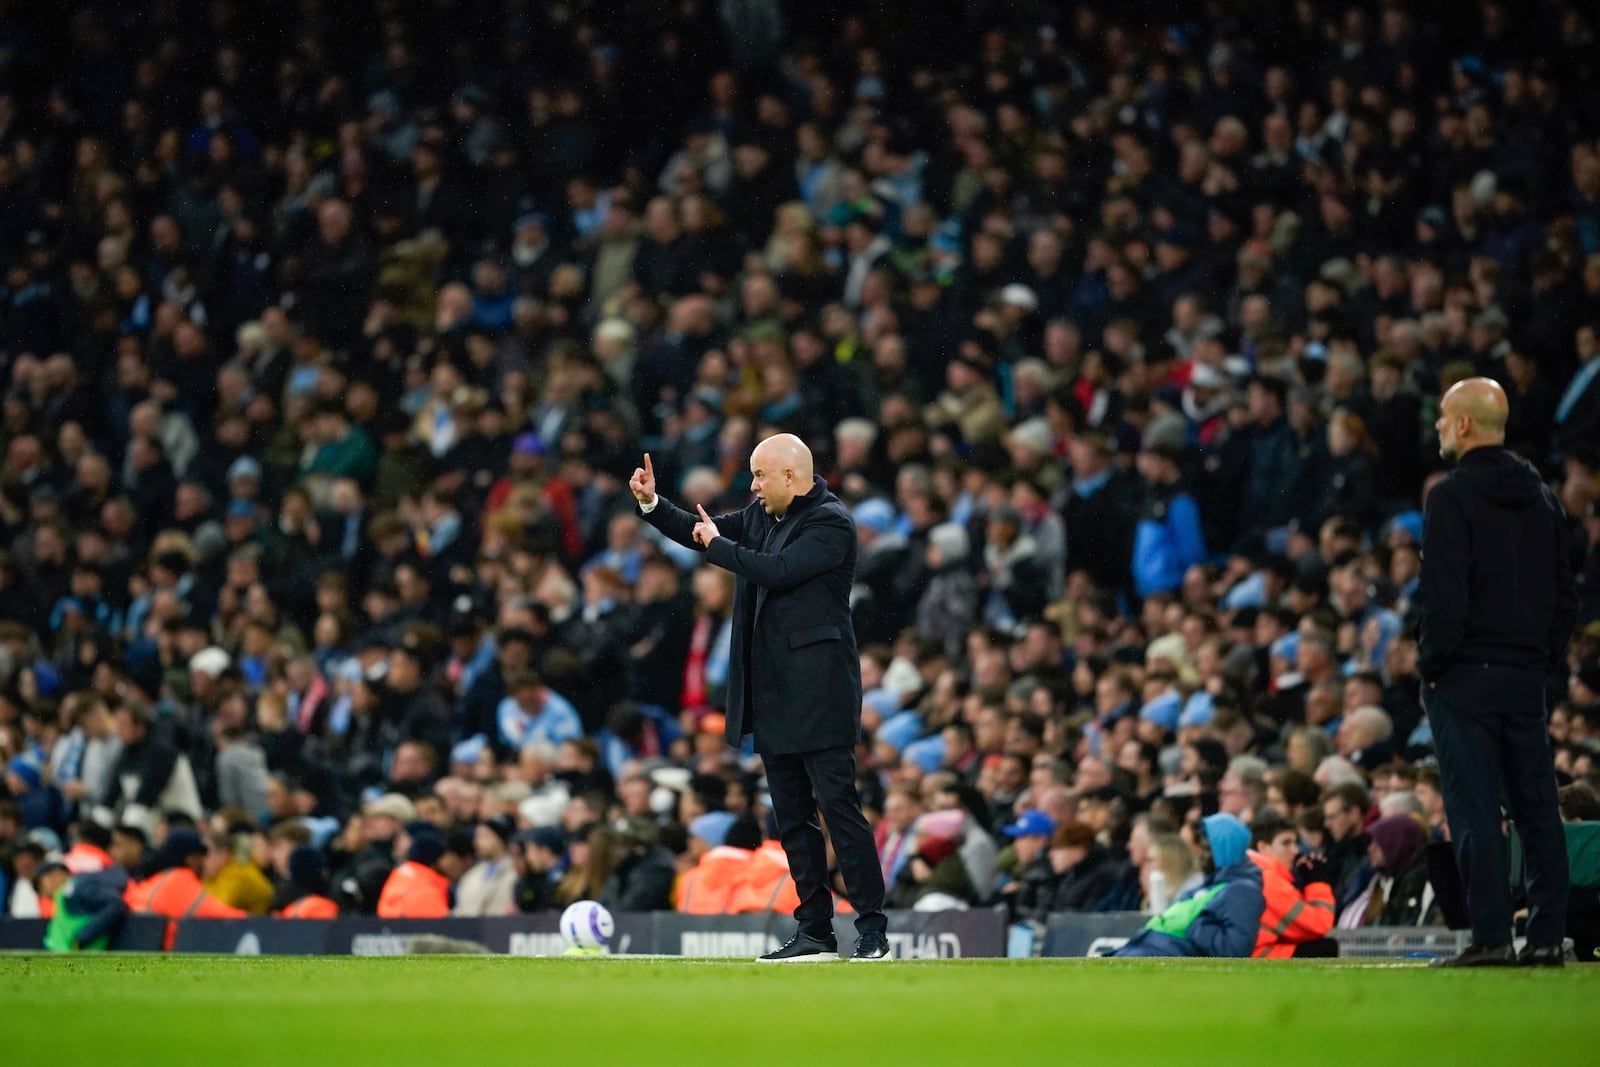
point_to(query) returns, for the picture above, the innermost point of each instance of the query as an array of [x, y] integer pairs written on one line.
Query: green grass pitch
[[233, 1012]]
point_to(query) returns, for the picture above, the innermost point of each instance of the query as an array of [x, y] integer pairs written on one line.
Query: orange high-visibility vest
[[414, 891], [309, 906], [708, 887], [177, 894], [1291, 917], [84, 858], [765, 885]]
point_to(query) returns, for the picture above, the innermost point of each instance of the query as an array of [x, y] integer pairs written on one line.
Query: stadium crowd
[[329, 333]]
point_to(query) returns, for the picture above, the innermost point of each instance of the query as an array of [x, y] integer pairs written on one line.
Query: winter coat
[[486, 889], [1220, 920], [1167, 541]]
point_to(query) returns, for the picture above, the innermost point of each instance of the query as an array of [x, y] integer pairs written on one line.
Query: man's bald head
[[1472, 414], [785, 451], [780, 470]]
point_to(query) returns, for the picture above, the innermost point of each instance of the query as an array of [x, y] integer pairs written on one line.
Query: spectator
[[718, 855], [487, 887], [150, 774], [1168, 539], [543, 863], [303, 895], [1344, 811], [230, 876], [420, 887], [1222, 918], [1180, 874], [88, 910], [643, 875], [1364, 737], [934, 879], [296, 420], [949, 606], [1072, 874], [369, 843], [901, 809], [1398, 893], [531, 712], [1299, 908], [172, 886], [241, 770]]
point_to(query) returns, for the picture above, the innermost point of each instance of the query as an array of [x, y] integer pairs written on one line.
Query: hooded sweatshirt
[[1222, 917], [1496, 582]]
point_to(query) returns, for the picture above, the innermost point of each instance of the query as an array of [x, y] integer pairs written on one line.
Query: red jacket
[[1291, 917], [414, 891]]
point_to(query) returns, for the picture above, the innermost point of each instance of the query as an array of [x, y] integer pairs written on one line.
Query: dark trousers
[[801, 785], [1324, 948], [1490, 736]]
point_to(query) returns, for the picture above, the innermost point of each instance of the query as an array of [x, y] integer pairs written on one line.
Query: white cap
[[1018, 295], [210, 662]]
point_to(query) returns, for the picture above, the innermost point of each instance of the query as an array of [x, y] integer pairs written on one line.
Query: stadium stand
[[329, 334]]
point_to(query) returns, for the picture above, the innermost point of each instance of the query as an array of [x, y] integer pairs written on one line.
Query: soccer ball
[[587, 927]]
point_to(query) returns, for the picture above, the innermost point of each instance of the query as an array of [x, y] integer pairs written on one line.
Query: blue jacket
[[1167, 542], [100, 894], [1225, 927]]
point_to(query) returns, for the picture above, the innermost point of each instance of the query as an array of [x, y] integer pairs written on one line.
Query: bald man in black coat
[[794, 679], [1498, 606]]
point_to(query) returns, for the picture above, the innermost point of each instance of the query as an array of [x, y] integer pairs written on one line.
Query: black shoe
[[1480, 956], [871, 946], [1542, 956], [803, 948]]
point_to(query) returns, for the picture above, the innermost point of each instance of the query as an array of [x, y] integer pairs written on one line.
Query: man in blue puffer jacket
[[1222, 916], [1168, 539]]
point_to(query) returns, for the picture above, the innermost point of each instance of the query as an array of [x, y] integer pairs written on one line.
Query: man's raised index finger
[[648, 469]]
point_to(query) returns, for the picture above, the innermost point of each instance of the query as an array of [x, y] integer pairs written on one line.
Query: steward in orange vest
[[417, 889], [707, 887], [309, 907], [720, 844], [766, 885], [89, 854], [302, 897], [1299, 908], [175, 890]]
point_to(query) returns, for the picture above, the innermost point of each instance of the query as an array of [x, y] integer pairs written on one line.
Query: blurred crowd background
[[329, 334]]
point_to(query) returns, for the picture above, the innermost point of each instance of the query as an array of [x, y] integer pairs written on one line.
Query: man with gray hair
[[1243, 789], [1365, 737], [853, 440], [949, 605]]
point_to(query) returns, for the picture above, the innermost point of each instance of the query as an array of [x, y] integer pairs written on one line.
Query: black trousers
[[1490, 736], [1324, 948], [801, 785]]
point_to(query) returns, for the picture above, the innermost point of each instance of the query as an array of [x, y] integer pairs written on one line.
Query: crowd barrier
[[912, 935], [1101, 934]]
